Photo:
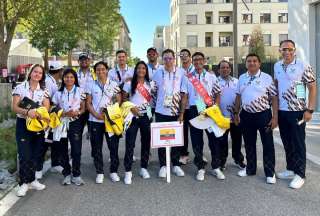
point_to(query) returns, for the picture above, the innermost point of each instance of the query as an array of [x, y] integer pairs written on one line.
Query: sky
[[142, 17]]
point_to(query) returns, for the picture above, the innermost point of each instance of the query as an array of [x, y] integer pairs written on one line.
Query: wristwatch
[[310, 111]]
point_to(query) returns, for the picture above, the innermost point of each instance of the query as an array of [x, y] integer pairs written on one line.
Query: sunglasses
[[287, 49]]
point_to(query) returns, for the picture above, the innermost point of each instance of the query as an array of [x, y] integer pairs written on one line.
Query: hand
[[236, 119], [307, 116], [68, 114], [33, 114], [74, 113], [135, 111], [273, 122], [180, 119], [99, 116]]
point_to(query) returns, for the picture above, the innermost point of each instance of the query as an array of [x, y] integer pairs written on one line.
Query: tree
[[132, 61], [12, 13], [256, 43]]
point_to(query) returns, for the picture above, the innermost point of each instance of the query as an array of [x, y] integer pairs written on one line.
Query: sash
[[200, 89], [144, 92]]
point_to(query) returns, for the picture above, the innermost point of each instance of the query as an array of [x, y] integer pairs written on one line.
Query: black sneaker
[[240, 164]]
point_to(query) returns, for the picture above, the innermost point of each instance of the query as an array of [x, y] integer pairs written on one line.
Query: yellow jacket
[[36, 125]]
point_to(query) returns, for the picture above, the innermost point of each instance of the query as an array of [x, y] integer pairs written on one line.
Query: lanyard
[[166, 81], [252, 78], [102, 88], [73, 91]]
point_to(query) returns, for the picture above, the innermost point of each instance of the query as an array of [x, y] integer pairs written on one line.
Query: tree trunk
[[4, 53], [70, 58], [46, 59]]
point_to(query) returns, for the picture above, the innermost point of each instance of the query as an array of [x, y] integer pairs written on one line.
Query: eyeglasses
[[287, 49], [184, 55]]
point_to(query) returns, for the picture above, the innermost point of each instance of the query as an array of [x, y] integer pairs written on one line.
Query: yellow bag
[[113, 119], [36, 125], [55, 119], [215, 114]]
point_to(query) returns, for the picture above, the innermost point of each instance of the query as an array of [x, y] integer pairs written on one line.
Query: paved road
[[184, 196]]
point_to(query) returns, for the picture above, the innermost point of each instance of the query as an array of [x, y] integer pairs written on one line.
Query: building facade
[[206, 25], [304, 29]]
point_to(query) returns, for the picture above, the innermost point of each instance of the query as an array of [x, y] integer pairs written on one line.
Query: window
[[283, 17], [283, 0], [246, 18], [192, 41], [283, 37], [227, 1], [265, 0], [191, 19], [267, 39], [225, 40], [209, 1], [208, 17], [245, 40], [248, 1], [224, 19], [191, 1], [208, 39], [265, 18]]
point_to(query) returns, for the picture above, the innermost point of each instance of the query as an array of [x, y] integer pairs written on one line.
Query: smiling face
[[152, 56], [69, 80], [141, 71], [169, 60], [84, 63], [198, 62], [36, 74], [122, 58], [101, 72], [224, 69], [287, 51], [185, 57]]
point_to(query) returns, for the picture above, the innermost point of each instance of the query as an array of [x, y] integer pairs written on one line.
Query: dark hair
[[134, 81], [253, 55], [198, 54], [65, 73], [100, 63], [121, 51], [54, 71], [187, 51], [42, 82], [168, 51], [288, 41], [224, 61]]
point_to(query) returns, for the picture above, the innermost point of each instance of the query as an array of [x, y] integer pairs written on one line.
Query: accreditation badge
[[149, 112], [300, 90], [168, 100]]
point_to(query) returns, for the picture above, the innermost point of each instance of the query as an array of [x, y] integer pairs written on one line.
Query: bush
[[8, 147]]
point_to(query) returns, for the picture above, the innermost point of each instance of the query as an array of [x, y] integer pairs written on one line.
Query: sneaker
[[36, 185], [114, 177], [271, 180], [205, 159], [134, 158], [184, 160], [99, 178], [218, 173], [178, 171], [223, 167], [67, 180], [144, 173], [287, 174], [22, 190], [240, 164], [296, 182], [163, 172], [77, 181], [242, 173], [56, 169], [38, 175], [128, 178], [200, 175]]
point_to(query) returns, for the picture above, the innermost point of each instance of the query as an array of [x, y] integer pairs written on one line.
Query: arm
[[183, 104], [274, 121], [312, 87], [26, 112], [91, 109], [237, 109], [217, 99]]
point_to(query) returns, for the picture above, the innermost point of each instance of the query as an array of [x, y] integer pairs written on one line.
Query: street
[[184, 196]]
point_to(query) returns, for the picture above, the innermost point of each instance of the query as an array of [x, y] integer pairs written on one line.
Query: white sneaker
[[163, 172], [38, 175], [204, 159], [134, 158], [271, 180], [114, 177], [67, 180], [218, 173], [22, 190], [77, 181], [200, 175], [296, 182], [144, 173], [56, 169], [99, 178], [287, 174], [128, 178], [242, 173], [178, 171], [36, 185]]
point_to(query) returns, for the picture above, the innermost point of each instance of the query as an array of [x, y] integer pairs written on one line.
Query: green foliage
[[132, 61], [8, 146], [256, 44]]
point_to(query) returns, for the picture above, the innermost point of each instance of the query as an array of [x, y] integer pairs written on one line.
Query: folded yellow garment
[[126, 108], [113, 119], [37, 125], [215, 114], [55, 118]]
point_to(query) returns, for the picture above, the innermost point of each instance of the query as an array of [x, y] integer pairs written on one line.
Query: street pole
[[235, 38]]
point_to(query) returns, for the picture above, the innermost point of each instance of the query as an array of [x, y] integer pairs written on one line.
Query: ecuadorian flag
[[167, 134]]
